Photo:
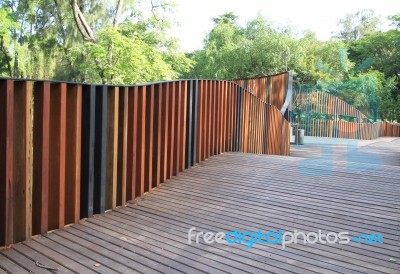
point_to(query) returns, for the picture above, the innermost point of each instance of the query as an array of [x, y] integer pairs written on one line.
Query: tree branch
[[118, 11], [153, 7], [6, 56], [81, 23]]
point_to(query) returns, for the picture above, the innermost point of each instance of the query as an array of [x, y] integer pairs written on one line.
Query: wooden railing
[[350, 130], [309, 104], [275, 89], [68, 150]]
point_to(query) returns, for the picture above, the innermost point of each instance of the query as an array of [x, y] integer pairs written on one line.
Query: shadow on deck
[[329, 185]]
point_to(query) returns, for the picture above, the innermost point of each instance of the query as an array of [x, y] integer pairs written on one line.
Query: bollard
[[299, 139]]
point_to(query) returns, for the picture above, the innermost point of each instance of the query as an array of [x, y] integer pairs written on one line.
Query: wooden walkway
[[328, 185]]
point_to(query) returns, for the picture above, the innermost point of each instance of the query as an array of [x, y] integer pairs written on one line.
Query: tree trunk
[[81, 23], [118, 11]]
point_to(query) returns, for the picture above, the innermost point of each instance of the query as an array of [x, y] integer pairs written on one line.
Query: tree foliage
[[115, 42], [95, 41], [360, 67], [357, 25]]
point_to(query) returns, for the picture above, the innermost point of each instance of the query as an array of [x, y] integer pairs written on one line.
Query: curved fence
[[325, 115], [68, 150], [275, 90]]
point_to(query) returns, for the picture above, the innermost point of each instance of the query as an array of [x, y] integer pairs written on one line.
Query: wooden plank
[[205, 121], [58, 120], [149, 124], [65, 261], [209, 113], [6, 161], [10, 266], [194, 258], [190, 124], [88, 148], [157, 135], [224, 114], [132, 143], [23, 262], [41, 157], [73, 153], [22, 173], [184, 106], [100, 150], [98, 262], [38, 257], [195, 120], [164, 132], [122, 160], [178, 118], [172, 129], [213, 114], [199, 135], [56, 243], [221, 258], [217, 118], [130, 257], [112, 147], [141, 142]]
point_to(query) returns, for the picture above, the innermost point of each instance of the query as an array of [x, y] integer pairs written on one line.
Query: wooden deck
[[329, 185]]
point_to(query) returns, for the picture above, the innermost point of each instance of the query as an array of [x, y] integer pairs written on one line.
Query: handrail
[[68, 150]]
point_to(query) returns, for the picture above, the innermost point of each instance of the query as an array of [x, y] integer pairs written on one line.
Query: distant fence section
[[324, 115], [68, 151]]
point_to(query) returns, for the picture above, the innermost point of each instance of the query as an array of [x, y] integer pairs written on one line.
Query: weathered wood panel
[[23, 161]]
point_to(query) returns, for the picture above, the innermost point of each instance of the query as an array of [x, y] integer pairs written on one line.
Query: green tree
[[357, 25], [7, 25]]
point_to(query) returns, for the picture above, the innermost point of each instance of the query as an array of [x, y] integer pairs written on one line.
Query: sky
[[321, 16]]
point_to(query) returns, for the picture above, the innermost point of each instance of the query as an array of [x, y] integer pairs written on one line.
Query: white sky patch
[[321, 16]]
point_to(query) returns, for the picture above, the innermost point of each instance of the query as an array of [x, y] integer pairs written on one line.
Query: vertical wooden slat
[[218, 114], [58, 100], [199, 144], [214, 117], [223, 115], [177, 140], [178, 114], [73, 154], [157, 135], [149, 126], [172, 125], [87, 160], [191, 131], [183, 124], [209, 117], [164, 129], [112, 147], [41, 137], [189, 119], [230, 116], [6, 161], [122, 146], [132, 143], [141, 142], [205, 120], [100, 151], [22, 166]]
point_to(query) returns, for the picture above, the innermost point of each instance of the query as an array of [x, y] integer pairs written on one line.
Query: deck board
[[328, 184]]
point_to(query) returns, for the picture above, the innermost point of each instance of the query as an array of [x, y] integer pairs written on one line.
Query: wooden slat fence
[[68, 150], [308, 104], [275, 90]]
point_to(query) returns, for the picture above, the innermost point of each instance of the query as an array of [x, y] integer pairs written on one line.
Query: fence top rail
[[132, 85], [129, 86], [263, 76]]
